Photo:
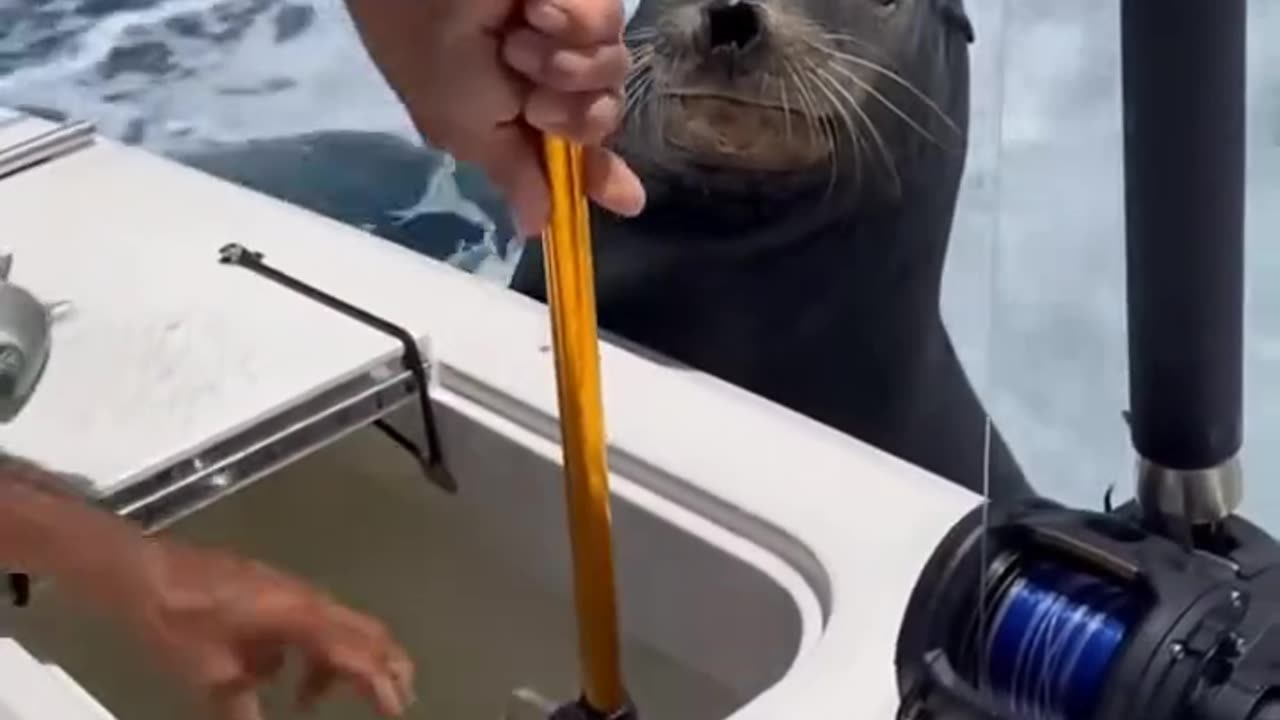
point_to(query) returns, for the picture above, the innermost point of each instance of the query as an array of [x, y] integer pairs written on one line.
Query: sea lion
[[802, 160]]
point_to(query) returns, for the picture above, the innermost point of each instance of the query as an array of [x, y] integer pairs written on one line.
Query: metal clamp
[[432, 460], [1196, 496]]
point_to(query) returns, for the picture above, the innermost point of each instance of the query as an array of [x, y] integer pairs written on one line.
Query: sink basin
[[477, 585]]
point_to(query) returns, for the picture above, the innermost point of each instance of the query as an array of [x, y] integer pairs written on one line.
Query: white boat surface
[[768, 555]]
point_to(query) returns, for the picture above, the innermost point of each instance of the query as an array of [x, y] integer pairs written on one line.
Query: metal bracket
[[432, 460], [49, 145]]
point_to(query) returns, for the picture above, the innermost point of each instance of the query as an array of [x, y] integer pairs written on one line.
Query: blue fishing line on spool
[[1053, 639]]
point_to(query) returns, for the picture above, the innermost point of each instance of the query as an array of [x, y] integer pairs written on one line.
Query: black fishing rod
[[1184, 115], [1166, 607]]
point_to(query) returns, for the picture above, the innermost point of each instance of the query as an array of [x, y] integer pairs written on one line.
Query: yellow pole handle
[[572, 301]]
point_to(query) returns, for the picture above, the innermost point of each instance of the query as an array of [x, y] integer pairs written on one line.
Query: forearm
[[46, 530]]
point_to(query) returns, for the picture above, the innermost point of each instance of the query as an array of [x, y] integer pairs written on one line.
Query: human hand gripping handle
[[573, 53], [484, 79]]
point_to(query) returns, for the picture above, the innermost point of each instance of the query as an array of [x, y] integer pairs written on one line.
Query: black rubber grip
[[1184, 141]]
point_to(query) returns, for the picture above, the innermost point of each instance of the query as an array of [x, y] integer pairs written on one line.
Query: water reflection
[[278, 94]]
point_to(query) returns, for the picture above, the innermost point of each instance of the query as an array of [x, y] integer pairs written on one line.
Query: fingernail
[[546, 16]]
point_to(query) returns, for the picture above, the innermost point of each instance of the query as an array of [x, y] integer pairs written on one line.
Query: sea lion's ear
[[956, 18]]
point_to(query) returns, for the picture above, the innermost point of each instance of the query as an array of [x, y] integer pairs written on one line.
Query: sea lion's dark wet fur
[[804, 267]]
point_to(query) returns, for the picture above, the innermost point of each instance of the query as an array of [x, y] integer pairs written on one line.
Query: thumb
[[581, 23], [613, 184]]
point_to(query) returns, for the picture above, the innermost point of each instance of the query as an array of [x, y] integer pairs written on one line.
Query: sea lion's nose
[[732, 25]]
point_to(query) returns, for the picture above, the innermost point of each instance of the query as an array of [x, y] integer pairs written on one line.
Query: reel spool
[[1073, 615]]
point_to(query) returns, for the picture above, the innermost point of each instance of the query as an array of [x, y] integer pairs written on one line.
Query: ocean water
[[279, 95]]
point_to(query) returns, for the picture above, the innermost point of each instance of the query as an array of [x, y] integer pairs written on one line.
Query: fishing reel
[[1167, 608], [1041, 611]]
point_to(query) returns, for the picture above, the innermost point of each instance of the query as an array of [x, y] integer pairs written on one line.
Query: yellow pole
[[571, 297]]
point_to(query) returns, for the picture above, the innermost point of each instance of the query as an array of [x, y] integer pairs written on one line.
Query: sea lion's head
[[726, 93]]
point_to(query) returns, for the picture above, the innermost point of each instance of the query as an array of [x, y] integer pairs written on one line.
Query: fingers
[[547, 61], [612, 184], [576, 91], [343, 644], [372, 677], [575, 96], [504, 146], [577, 22], [562, 72], [231, 682], [263, 664], [397, 661], [584, 119], [486, 95]]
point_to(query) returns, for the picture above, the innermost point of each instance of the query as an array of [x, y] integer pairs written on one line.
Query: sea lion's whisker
[[877, 67], [640, 63], [850, 129], [639, 34], [829, 142], [786, 107], [660, 106], [870, 89], [635, 93], [638, 73], [890, 164], [828, 136], [637, 97], [853, 39], [641, 69], [807, 102], [639, 80], [641, 56], [804, 106], [859, 143]]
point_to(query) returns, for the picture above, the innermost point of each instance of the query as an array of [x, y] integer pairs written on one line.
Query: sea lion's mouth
[[728, 130]]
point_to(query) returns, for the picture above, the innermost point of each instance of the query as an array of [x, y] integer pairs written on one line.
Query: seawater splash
[[276, 95], [442, 195], [176, 74], [201, 81]]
